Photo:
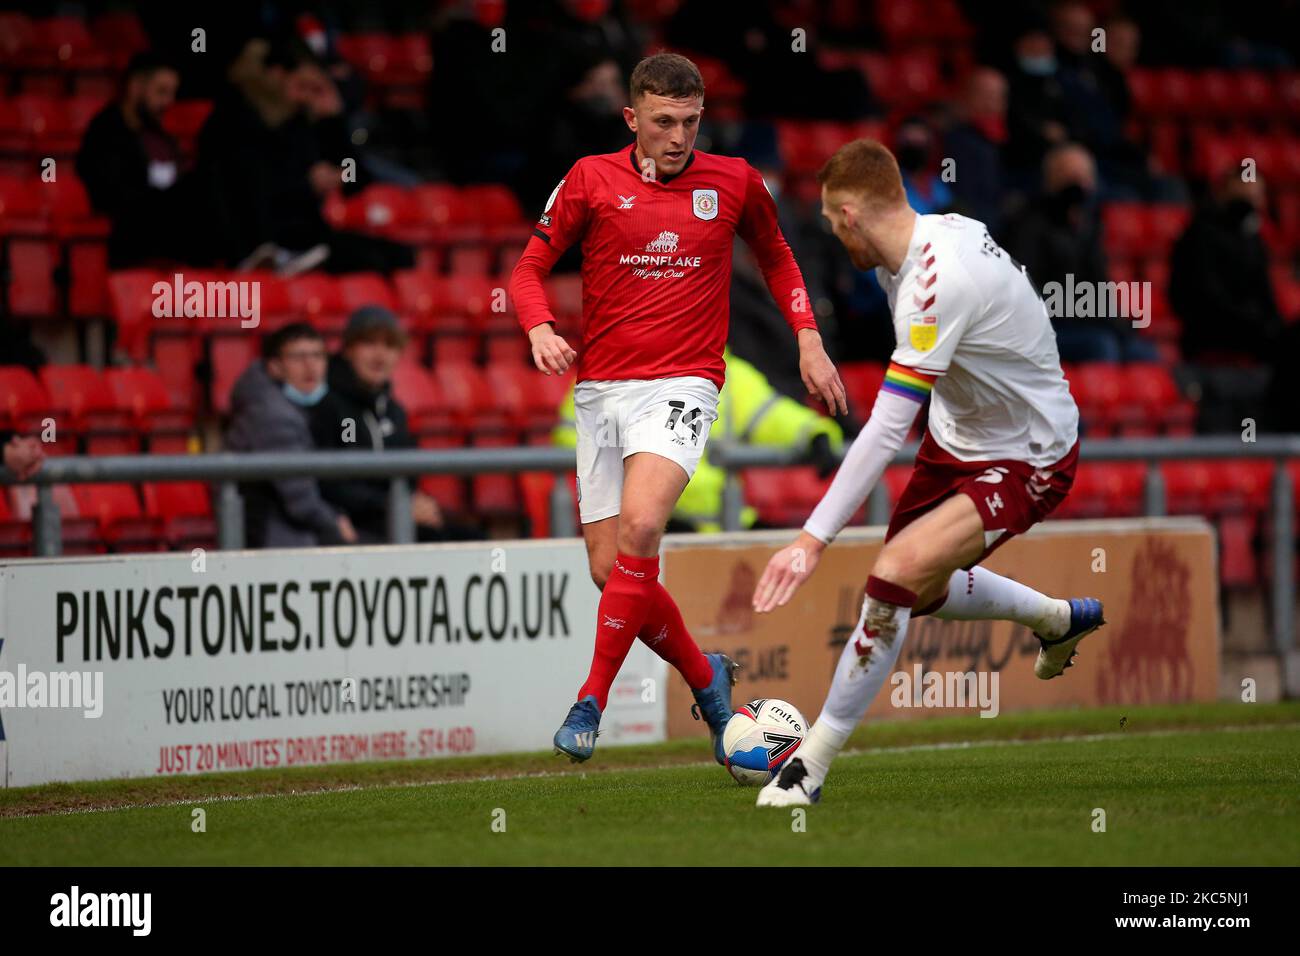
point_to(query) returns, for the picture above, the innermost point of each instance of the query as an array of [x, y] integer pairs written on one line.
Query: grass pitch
[[1211, 784]]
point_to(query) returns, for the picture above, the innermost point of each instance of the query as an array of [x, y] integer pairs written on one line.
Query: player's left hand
[[819, 374], [787, 569]]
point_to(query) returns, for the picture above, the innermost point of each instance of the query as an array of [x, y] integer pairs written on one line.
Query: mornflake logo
[[660, 260], [56, 689], [134, 910], [667, 242]]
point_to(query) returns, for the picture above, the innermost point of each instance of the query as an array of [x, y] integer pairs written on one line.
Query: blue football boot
[[576, 737], [1056, 654], [713, 703]]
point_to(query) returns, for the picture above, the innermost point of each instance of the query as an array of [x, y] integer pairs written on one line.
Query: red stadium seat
[[381, 210], [24, 402], [185, 510], [1243, 487], [84, 235], [15, 534], [896, 478], [807, 144], [86, 406], [122, 522], [143, 393], [478, 415], [131, 295], [426, 407], [418, 294], [1190, 486], [17, 32], [564, 295], [1237, 564], [862, 381], [79, 533], [231, 355], [499, 212], [532, 398], [1119, 486], [121, 35], [1098, 390], [427, 301], [319, 300], [784, 497], [470, 400], [360, 289], [29, 251], [1153, 403], [450, 491]]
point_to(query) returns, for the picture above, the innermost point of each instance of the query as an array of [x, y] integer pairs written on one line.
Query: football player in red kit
[[655, 222]]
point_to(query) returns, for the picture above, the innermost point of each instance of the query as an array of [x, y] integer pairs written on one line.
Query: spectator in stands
[[1096, 92], [132, 167], [1220, 288], [1057, 238], [974, 143], [270, 405], [753, 41], [23, 455], [914, 147], [1039, 115], [263, 171], [360, 413]]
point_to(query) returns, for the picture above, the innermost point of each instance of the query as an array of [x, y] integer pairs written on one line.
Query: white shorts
[[614, 419]]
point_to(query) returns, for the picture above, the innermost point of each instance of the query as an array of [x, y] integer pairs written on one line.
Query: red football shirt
[[656, 266]]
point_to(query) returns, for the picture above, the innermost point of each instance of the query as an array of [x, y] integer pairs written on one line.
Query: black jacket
[[1219, 285], [113, 163], [373, 420]]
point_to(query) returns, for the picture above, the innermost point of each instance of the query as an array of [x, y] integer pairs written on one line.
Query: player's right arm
[[562, 223], [927, 331]]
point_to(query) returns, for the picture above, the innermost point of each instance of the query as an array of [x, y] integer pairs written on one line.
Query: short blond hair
[[866, 168]]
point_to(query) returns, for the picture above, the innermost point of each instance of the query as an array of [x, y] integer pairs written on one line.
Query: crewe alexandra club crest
[[704, 203]]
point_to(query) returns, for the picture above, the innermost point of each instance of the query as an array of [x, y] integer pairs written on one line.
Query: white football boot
[[792, 787]]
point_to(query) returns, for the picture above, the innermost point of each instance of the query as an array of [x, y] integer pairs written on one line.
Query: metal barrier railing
[[227, 470]]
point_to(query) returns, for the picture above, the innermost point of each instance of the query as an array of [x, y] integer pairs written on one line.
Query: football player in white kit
[[999, 452]]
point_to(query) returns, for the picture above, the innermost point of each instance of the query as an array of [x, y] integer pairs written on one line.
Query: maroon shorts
[[1011, 496]]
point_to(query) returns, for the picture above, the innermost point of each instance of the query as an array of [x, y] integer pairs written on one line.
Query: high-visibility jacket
[[750, 411]]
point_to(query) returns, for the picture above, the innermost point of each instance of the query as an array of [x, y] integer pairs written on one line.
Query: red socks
[[634, 604], [666, 635], [624, 605]]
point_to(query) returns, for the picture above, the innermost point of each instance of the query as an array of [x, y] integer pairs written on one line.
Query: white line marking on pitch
[[550, 774]]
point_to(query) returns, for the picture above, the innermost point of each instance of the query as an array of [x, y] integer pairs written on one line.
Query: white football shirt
[[965, 311]]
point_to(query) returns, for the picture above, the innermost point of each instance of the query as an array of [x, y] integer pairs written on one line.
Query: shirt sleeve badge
[[923, 332]]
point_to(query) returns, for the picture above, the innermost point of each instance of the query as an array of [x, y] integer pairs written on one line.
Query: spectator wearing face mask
[[270, 405], [1057, 238], [1039, 113], [927, 193], [132, 167], [1219, 286], [360, 413]]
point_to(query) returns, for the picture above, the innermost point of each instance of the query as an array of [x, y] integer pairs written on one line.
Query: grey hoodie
[[289, 512]]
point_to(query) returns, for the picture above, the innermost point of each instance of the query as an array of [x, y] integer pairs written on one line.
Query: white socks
[[881, 628], [974, 595], [981, 595]]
